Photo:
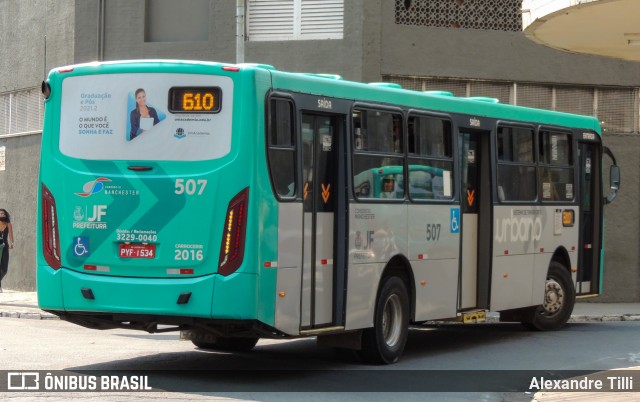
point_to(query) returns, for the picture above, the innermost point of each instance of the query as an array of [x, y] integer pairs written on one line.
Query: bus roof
[[332, 85], [439, 101]]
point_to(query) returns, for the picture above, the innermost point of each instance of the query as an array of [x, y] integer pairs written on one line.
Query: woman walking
[[6, 243]]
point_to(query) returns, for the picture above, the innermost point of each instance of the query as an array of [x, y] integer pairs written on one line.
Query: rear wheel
[[559, 298], [385, 342], [229, 344]]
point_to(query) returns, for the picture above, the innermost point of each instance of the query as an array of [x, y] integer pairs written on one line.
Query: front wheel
[[385, 342], [559, 298]]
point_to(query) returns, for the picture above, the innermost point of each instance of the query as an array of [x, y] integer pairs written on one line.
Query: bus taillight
[[235, 226], [50, 236]]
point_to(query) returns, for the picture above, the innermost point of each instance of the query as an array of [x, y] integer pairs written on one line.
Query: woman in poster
[[143, 117]]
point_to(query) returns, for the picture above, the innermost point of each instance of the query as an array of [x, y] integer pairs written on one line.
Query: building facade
[[471, 48]]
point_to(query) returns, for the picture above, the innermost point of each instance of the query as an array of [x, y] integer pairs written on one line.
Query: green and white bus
[[238, 202]]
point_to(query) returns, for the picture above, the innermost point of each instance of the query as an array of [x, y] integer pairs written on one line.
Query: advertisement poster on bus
[[146, 117]]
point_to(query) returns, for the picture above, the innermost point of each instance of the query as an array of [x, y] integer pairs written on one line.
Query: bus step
[[320, 331], [473, 317]]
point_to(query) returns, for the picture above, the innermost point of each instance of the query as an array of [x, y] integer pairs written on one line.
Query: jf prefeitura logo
[[64, 381]]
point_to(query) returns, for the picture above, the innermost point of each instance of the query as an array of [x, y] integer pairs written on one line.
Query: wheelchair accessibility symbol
[[455, 220], [80, 246]]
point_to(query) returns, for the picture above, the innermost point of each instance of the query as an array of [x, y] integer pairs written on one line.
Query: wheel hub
[[392, 320], [553, 297]]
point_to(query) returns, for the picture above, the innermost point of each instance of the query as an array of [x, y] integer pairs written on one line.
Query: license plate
[[137, 251]]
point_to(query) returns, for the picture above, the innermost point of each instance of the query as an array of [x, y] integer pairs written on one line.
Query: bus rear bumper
[[68, 291]]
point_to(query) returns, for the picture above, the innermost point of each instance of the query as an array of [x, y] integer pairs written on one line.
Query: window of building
[[276, 20], [516, 164], [176, 21], [430, 158], [281, 145], [378, 161], [556, 166], [494, 15], [21, 112], [615, 108]]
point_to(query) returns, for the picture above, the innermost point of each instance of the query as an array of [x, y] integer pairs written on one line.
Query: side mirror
[[614, 183], [614, 177], [46, 89]]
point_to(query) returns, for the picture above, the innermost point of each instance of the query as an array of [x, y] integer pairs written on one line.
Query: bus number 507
[[433, 231], [190, 186]]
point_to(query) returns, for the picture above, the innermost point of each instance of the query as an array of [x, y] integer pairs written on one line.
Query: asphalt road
[[492, 359]]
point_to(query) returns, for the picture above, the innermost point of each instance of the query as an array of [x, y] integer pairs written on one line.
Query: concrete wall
[[18, 196], [622, 219], [124, 38], [124, 33], [23, 27], [491, 55]]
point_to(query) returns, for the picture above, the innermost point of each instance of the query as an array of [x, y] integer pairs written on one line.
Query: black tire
[[385, 342], [559, 299], [229, 344]]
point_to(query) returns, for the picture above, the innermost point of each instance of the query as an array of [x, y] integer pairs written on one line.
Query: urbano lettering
[[522, 228]]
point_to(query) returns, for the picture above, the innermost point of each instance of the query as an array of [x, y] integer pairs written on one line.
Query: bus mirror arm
[[614, 177]]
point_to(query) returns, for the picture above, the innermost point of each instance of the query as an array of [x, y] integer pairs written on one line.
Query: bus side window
[[516, 164], [430, 158], [378, 162], [556, 166], [281, 148]]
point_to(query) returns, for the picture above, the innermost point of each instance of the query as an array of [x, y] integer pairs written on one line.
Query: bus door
[[321, 299], [588, 277], [475, 208]]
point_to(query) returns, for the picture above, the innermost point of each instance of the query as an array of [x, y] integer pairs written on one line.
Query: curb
[[43, 315], [605, 318], [494, 318], [31, 316]]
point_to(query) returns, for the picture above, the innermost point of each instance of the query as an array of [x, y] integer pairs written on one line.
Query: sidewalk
[[16, 304]]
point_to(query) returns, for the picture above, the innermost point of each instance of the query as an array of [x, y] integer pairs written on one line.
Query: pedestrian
[[6, 243]]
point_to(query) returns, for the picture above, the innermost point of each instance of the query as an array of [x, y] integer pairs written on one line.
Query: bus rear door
[[588, 277], [475, 200], [322, 274]]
